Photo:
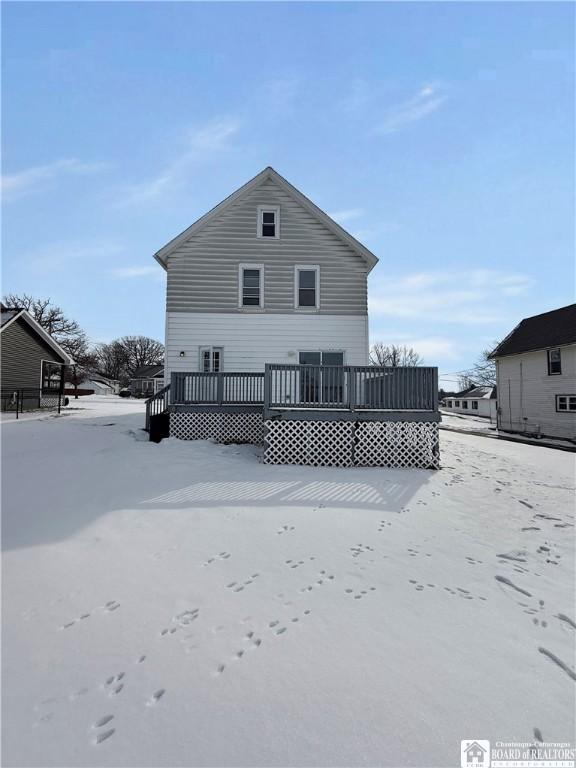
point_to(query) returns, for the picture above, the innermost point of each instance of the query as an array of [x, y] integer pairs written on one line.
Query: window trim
[[548, 351], [203, 348], [275, 209], [456, 403], [306, 268], [241, 305], [567, 409], [474, 405]]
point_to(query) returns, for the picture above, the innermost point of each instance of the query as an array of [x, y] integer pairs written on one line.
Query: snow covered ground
[[182, 604], [464, 421]]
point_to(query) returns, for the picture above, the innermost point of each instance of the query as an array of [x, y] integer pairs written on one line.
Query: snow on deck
[[182, 604]]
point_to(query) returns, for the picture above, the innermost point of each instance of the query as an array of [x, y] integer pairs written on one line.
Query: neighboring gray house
[[31, 362], [474, 401], [536, 373], [147, 380], [267, 338]]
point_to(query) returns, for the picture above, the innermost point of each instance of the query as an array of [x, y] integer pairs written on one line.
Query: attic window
[[269, 222]]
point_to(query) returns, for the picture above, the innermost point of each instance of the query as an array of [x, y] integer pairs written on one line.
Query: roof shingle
[[550, 329]]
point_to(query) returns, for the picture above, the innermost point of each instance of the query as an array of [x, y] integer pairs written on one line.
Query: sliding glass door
[[322, 385]]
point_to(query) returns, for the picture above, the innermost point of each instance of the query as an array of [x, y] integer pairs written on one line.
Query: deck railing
[[157, 404], [281, 387], [351, 387], [226, 388]]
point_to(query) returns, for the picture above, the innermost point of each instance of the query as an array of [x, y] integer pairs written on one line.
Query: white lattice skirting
[[49, 401], [222, 427], [344, 443]]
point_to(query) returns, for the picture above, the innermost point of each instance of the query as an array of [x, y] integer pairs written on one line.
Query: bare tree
[[112, 361], [122, 357], [84, 363], [51, 318], [141, 350], [484, 369], [393, 355], [465, 382]]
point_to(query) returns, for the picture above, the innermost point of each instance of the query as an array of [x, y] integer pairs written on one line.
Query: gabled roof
[[161, 256], [148, 371], [10, 314], [476, 393], [550, 329]]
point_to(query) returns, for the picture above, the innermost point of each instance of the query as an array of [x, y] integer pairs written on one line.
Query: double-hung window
[[474, 405], [464, 403], [566, 403], [211, 359], [269, 221], [554, 362], [307, 281], [251, 282]]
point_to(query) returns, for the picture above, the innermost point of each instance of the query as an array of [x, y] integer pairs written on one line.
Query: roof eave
[[67, 360]]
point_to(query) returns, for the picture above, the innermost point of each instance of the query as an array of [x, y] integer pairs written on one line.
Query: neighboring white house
[[536, 375], [101, 386], [475, 401], [265, 277]]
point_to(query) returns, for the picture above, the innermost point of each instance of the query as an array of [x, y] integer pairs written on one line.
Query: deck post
[[267, 388], [174, 388], [352, 387]]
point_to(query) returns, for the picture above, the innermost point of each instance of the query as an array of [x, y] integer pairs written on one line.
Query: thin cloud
[[358, 96], [130, 272], [472, 298], [18, 184], [203, 142], [428, 99], [349, 214], [69, 254], [213, 137]]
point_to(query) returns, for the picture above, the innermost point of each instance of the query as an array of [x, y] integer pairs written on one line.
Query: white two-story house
[[265, 277], [536, 374], [267, 339]]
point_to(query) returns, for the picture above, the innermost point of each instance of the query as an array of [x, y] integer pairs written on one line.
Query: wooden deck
[[313, 392]]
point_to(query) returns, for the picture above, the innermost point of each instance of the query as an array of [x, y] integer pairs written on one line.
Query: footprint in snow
[[155, 698]]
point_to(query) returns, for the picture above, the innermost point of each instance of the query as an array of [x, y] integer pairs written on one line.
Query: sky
[[441, 135]]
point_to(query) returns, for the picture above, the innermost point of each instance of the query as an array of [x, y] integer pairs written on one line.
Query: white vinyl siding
[[250, 340], [527, 394]]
